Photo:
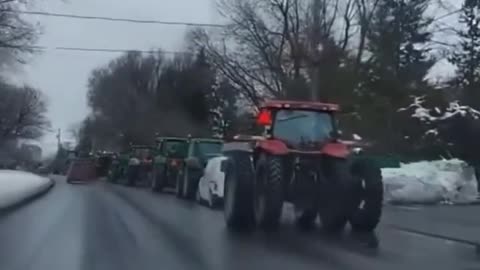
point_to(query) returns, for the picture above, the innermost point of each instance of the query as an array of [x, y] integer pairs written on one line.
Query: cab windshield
[[142, 153], [207, 149], [175, 148], [297, 127]]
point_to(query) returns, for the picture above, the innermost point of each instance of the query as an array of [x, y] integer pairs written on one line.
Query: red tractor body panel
[[338, 150], [274, 147], [277, 147]]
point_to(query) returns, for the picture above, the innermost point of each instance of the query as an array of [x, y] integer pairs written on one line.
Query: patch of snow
[[430, 182], [320, 47], [432, 131], [357, 150], [16, 186], [454, 108]]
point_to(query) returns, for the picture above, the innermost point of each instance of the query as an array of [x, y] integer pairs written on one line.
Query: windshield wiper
[[293, 117]]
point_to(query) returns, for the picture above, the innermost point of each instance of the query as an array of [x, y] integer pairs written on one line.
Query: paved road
[[105, 227], [461, 223]]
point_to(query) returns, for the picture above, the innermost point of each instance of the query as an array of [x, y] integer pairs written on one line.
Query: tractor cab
[[171, 150], [141, 151], [204, 149], [303, 126]]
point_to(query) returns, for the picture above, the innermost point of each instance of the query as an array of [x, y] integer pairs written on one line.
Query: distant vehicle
[[134, 166], [103, 161], [210, 187], [81, 170], [191, 169]]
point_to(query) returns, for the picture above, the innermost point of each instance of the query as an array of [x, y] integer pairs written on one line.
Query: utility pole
[[59, 134], [315, 45]]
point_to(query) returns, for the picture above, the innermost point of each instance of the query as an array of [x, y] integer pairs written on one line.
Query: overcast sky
[[62, 75]]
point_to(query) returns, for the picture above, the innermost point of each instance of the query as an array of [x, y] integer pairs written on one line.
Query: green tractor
[[103, 163], [170, 152], [191, 168], [118, 167], [135, 166]]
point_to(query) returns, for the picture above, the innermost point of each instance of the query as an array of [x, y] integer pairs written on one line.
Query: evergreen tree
[[467, 57], [399, 61]]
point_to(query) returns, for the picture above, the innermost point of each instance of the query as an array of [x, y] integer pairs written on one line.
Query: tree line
[[370, 56], [22, 107]]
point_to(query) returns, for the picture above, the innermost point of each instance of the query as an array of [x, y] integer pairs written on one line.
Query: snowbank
[[450, 181], [16, 186]]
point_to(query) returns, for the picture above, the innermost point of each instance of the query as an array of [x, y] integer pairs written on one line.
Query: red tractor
[[300, 159]]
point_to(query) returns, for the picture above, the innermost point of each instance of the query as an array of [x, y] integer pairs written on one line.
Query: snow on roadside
[[16, 186], [442, 181]]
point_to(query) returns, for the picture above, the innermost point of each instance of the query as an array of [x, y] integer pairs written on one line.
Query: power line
[[103, 50], [448, 14], [87, 17]]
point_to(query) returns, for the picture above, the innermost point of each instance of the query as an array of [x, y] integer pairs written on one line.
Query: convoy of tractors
[[298, 158]]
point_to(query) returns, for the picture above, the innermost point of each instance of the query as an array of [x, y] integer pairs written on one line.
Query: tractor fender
[[338, 150], [274, 147]]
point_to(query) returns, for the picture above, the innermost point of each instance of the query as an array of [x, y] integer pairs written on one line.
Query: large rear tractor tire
[[179, 184], [238, 192], [369, 196], [335, 202], [306, 200], [132, 175], [190, 185], [156, 181], [268, 196]]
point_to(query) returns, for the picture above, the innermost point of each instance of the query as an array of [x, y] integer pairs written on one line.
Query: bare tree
[[266, 50], [22, 113], [17, 36]]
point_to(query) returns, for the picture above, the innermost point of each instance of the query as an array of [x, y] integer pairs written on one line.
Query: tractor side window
[[303, 127]]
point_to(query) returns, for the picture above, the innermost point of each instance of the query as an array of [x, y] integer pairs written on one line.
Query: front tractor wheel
[[238, 192], [369, 195], [268, 197]]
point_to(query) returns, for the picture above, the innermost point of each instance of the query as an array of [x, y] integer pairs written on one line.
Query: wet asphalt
[[111, 227]]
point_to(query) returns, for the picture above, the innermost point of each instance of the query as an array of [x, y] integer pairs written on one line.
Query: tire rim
[[363, 186]]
